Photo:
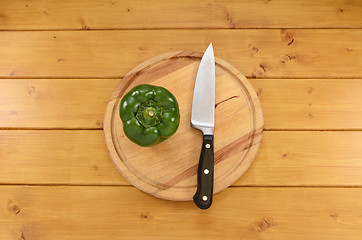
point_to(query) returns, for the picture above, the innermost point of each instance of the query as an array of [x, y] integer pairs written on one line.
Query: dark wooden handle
[[205, 174]]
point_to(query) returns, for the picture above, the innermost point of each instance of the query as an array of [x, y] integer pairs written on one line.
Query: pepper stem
[[151, 113]]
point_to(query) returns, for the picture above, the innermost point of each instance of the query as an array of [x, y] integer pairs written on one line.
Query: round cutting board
[[169, 169]]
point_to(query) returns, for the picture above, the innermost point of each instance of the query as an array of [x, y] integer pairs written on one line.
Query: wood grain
[[302, 185], [248, 213], [54, 103], [56, 156], [291, 158], [310, 103], [327, 104], [300, 158], [238, 128], [264, 53], [120, 14]]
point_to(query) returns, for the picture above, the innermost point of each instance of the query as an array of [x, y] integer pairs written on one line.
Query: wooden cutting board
[[168, 170]]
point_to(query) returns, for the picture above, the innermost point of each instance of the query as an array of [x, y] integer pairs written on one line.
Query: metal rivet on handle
[[206, 171], [204, 198], [207, 145]]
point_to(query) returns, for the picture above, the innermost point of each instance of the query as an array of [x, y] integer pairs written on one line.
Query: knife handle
[[205, 174]]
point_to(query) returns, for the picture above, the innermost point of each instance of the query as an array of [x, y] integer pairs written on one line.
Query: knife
[[202, 118]]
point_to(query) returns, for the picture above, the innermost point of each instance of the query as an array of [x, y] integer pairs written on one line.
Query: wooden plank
[[54, 103], [116, 14], [265, 53], [310, 103], [317, 104], [126, 213], [294, 158], [290, 158], [53, 157]]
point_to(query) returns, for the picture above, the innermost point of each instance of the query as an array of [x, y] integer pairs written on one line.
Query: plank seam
[[100, 129], [129, 185], [175, 28], [121, 77]]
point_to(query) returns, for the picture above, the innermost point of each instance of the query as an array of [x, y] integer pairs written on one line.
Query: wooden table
[[60, 61]]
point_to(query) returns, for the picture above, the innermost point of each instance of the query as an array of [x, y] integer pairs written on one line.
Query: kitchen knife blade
[[202, 118]]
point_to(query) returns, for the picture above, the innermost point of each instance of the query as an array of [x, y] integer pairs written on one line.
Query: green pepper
[[150, 114]]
